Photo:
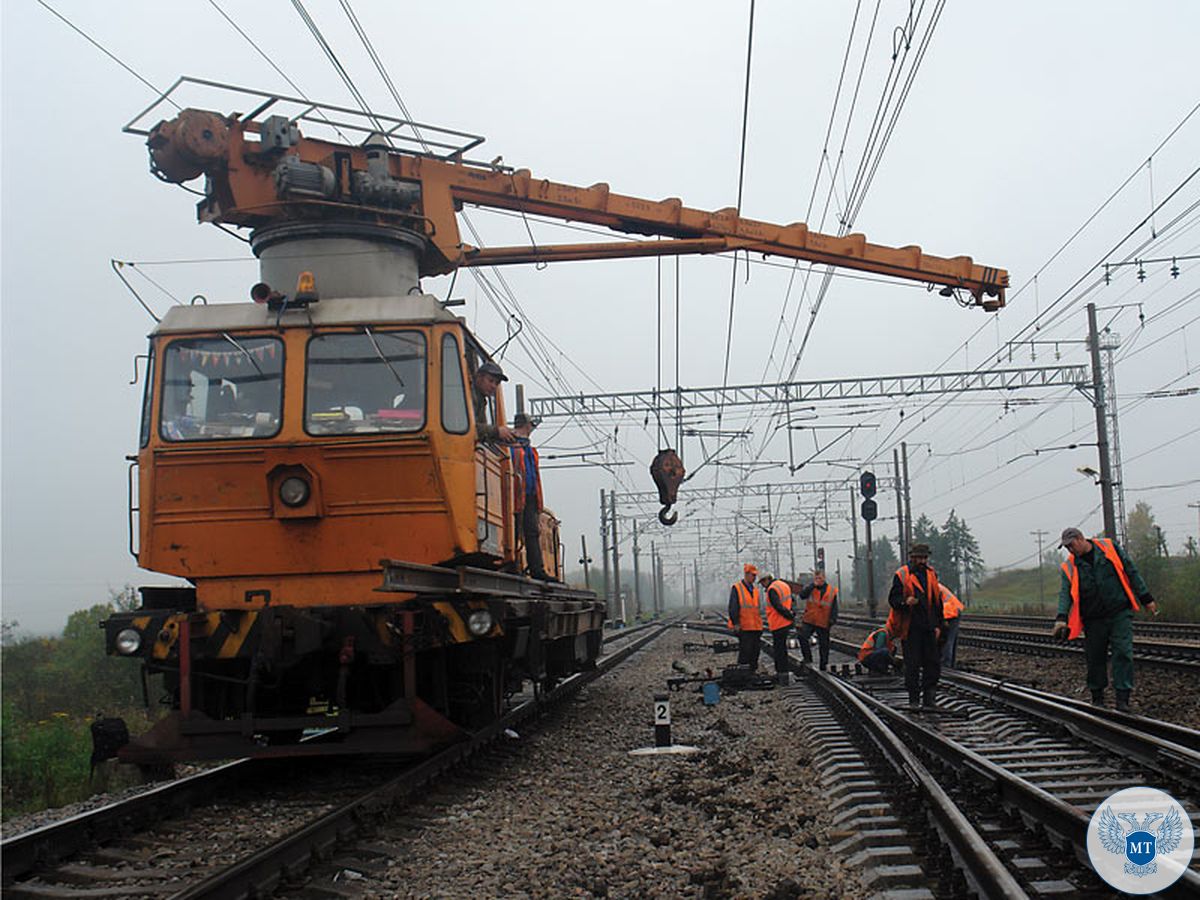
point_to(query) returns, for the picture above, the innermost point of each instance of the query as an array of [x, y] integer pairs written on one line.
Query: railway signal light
[[869, 510], [821, 559], [866, 484]]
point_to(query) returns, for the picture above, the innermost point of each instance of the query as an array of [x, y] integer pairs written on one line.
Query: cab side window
[[485, 407], [454, 393]]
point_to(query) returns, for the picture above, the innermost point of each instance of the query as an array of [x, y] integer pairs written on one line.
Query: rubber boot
[[914, 701], [927, 701], [1122, 701], [1097, 698]]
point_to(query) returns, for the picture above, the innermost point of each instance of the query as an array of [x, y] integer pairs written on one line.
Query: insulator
[[309, 179]]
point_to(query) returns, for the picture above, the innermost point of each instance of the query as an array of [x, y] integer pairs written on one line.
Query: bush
[[52, 690], [46, 762]]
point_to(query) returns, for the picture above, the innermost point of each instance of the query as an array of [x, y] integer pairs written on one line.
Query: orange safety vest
[[784, 591], [518, 459], [819, 606], [952, 607], [899, 619], [1075, 619], [749, 609], [868, 646]]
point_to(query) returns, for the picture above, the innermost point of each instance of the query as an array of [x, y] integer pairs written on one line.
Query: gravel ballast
[[574, 815]]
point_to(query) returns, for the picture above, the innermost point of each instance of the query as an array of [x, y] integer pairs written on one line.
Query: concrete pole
[[900, 530], [616, 552], [908, 523], [654, 577], [1098, 401], [604, 542], [854, 544], [870, 573], [637, 578], [662, 593], [585, 561], [1040, 535]]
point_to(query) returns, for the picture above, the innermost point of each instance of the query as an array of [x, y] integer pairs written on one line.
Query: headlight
[[294, 491], [128, 641], [479, 622]]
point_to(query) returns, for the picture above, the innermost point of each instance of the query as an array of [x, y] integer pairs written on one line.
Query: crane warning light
[[866, 484], [306, 288]]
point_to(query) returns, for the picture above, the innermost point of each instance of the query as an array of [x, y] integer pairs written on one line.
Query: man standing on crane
[[529, 498], [916, 619], [745, 614], [1100, 591]]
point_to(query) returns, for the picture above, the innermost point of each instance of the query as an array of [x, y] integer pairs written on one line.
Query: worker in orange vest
[[1100, 592], [745, 616], [528, 496], [878, 651], [952, 609], [779, 622], [915, 619], [820, 614]]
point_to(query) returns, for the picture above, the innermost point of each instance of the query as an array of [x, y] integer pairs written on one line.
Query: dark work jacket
[[1100, 591]]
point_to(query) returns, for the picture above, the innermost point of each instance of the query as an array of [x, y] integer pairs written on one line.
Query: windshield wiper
[[246, 353], [387, 362]]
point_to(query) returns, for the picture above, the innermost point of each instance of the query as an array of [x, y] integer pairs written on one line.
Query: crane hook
[[667, 471]]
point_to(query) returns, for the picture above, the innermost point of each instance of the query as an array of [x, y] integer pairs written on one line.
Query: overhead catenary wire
[[95, 43], [269, 61]]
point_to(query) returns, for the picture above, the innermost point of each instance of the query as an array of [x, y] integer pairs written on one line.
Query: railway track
[[1182, 632], [1178, 655], [1026, 768], [179, 840], [990, 793]]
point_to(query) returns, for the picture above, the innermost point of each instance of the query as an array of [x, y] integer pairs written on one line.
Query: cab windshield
[[221, 388], [365, 383]]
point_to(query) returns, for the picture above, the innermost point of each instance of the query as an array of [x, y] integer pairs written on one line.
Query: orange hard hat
[[749, 569]]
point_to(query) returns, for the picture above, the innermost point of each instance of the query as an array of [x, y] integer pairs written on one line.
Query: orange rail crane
[[312, 462]]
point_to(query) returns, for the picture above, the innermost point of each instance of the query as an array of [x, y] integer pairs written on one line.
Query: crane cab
[[284, 456]]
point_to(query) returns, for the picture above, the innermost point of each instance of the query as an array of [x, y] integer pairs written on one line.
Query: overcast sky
[[1022, 120]]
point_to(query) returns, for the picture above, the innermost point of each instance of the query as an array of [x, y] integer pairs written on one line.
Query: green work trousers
[[1099, 636]]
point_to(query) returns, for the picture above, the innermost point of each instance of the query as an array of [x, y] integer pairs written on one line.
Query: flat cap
[[490, 368], [918, 550], [1068, 535]]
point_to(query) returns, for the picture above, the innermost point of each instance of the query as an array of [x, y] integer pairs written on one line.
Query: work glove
[[1061, 630]]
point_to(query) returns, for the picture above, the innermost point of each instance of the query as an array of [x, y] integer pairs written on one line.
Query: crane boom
[[263, 172]]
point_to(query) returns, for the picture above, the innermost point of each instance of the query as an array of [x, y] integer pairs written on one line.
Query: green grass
[[1016, 592]]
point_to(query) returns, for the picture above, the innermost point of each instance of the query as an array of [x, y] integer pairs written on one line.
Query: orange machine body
[[411, 485]]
